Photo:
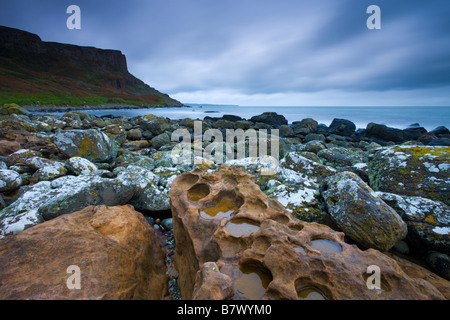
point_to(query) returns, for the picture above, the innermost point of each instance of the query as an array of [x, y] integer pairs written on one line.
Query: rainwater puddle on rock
[[325, 245], [241, 228], [311, 293], [222, 209], [198, 192], [252, 284], [299, 249]]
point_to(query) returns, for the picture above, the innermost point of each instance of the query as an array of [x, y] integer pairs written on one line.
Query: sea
[[396, 117]]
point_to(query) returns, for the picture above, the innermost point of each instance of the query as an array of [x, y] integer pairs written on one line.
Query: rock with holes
[[421, 171], [114, 249], [361, 213], [224, 218]]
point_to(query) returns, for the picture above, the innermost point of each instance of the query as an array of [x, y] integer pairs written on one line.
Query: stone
[[285, 131], [134, 134], [361, 213], [89, 144], [315, 171], [305, 126], [8, 147], [342, 127], [420, 171], [383, 132], [156, 125], [48, 200], [428, 221], [150, 193], [440, 263], [271, 118], [340, 157], [314, 146], [314, 137], [116, 251], [440, 130], [211, 284], [9, 180], [223, 124], [20, 156], [81, 166], [12, 108], [160, 140], [243, 124], [223, 218]]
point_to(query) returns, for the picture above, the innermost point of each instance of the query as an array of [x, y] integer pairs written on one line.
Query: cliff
[[47, 73]]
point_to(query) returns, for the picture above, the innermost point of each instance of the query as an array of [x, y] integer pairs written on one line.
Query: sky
[[264, 52]]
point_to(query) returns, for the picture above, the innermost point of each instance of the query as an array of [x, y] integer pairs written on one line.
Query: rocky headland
[[107, 195], [57, 75]]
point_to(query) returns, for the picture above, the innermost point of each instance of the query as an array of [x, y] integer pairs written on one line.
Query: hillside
[[34, 72]]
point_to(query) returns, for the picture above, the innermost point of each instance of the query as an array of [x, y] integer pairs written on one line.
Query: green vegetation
[[62, 99]]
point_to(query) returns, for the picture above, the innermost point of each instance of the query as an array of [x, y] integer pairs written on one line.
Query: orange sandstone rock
[[116, 251], [225, 219]]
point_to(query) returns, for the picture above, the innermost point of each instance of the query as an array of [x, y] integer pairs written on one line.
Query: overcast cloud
[[249, 52]]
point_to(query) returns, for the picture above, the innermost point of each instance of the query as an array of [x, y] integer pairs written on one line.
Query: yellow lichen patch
[[87, 147], [430, 219]]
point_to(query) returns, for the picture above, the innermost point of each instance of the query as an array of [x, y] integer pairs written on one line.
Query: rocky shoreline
[[380, 195], [48, 108]]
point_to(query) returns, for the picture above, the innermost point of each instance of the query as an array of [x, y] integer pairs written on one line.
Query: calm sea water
[[397, 117]]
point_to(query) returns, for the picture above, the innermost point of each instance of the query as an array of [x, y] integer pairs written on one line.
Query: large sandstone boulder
[[115, 249], [224, 218], [90, 144], [420, 171], [361, 213]]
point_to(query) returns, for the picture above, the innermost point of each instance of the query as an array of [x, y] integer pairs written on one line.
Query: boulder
[[305, 126], [90, 144], [440, 130], [383, 132], [8, 147], [420, 171], [115, 250], [150, 190], [47, 200], [314, 137], [46, 169], [428, 221], [361, 213], [12, 108], [223, 218], [160, 140], [340, 157], [285, 131], [342, 127], [156, 125], [80, 166], [134, 134], [20, 157], [9, 180], [271, 118], [313, 170]]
